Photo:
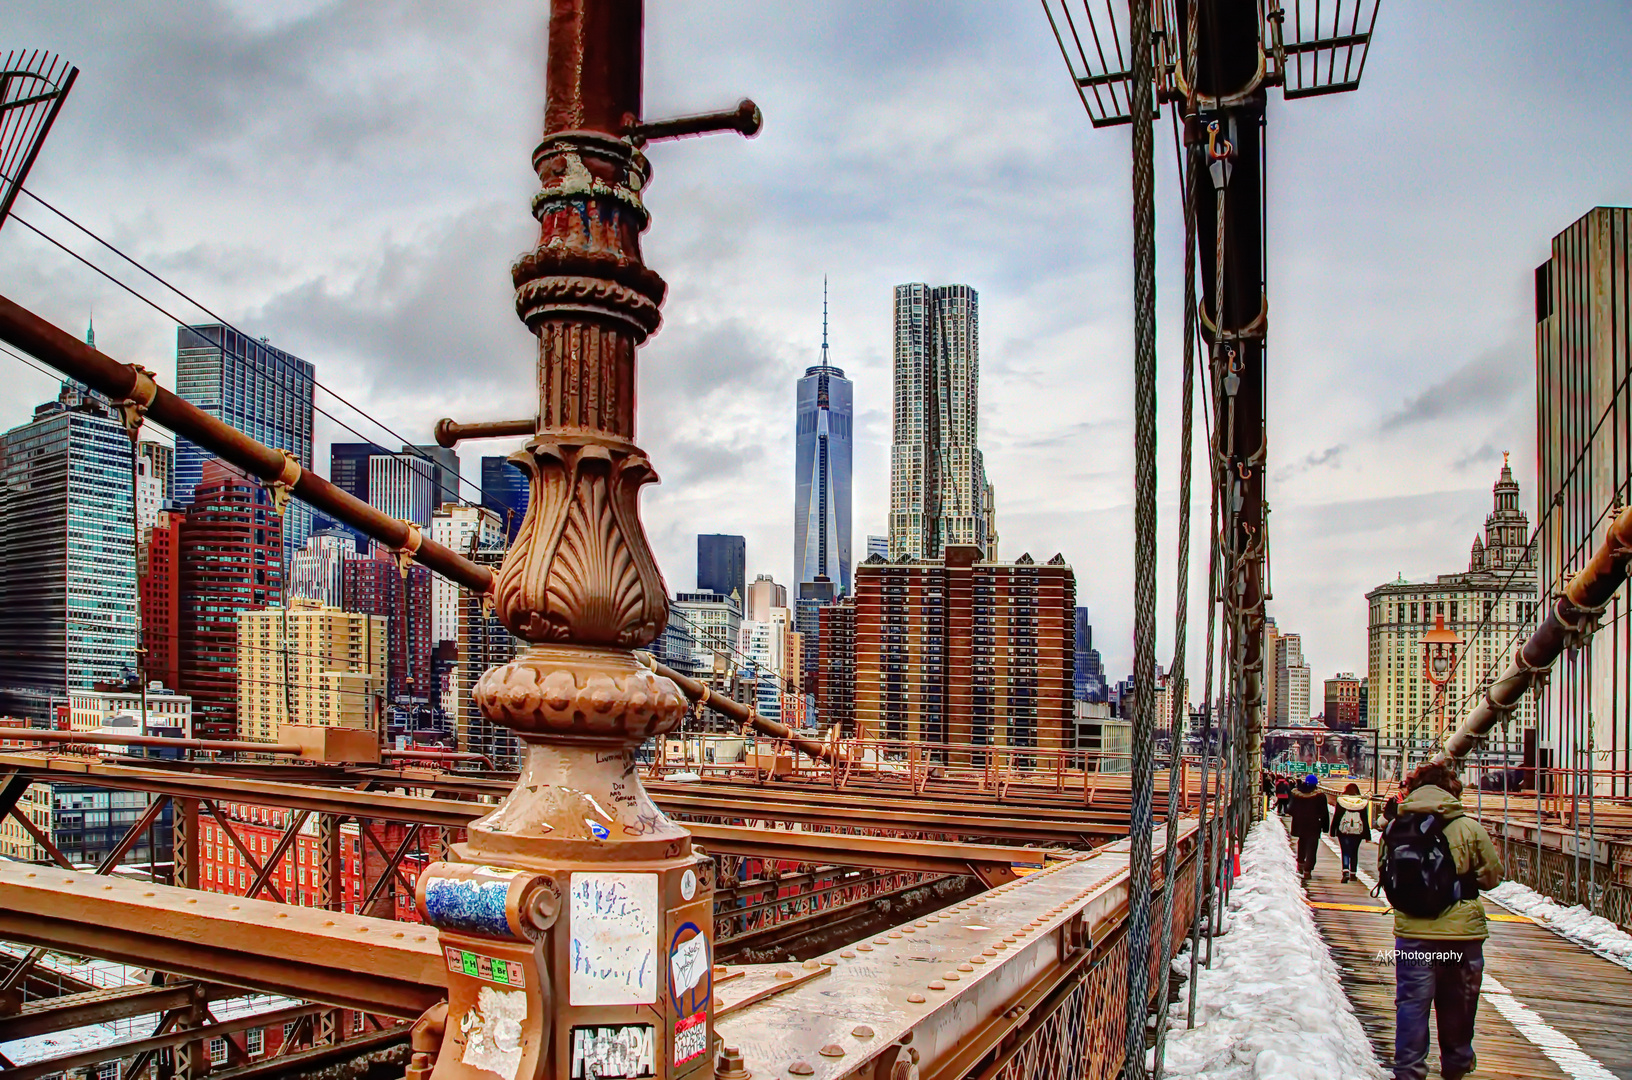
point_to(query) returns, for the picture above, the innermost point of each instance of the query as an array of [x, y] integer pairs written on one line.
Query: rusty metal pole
[[1229, 90], [577, 923]]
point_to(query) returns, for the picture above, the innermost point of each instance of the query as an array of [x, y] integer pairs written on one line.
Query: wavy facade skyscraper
[[826, 415], [939, 494]]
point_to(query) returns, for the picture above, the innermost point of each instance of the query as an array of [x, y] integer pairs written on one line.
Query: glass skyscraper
[[67, 558], [1087, 670], [722, 565], [264, 392], [505, 491], [821, 530]]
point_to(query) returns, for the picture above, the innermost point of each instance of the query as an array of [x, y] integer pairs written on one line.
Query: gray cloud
[[1485, 453], [1332, 455], [1486, 383]]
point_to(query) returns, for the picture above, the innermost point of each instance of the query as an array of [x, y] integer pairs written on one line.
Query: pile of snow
[[1576, 923], [1271, 1006]]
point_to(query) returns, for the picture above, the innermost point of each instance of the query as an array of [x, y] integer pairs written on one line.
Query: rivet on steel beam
[[952, 976], [881, 941], [833, 1050], [965, 967], [784, 974], [937, 984], [862, 1031], [827, 962], [894, 934], [981, 959], [865, 948], [800, 1068], [811, 965], [916, 998], [847, 954]]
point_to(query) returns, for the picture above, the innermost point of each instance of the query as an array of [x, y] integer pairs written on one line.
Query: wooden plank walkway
[[1553, 987]]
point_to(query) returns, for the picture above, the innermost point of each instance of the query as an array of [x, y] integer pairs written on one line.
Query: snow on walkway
[[1271, 1006], [1575, 923]]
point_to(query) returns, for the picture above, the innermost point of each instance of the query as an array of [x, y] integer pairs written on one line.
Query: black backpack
[[1418, 870]]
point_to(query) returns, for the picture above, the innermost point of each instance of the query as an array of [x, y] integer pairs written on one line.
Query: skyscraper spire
[[824, 320], [90, 330]]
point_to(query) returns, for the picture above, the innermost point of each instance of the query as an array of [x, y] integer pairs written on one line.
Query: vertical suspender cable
[[1178, 722], [1140, 823]]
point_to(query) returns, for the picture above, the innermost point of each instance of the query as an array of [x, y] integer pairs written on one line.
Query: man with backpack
[[1310, 820], [1432, 861], [1283, 795]]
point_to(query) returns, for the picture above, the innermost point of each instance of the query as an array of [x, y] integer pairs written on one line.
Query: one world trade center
[[821, 535]]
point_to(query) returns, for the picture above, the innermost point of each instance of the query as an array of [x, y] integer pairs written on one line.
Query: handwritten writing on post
[[613, 923], [688, 963]]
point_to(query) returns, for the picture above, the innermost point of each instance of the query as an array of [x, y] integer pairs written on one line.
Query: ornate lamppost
[[1440, 648], [577, 920]]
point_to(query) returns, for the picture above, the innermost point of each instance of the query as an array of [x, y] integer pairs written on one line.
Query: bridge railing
[[1084, 776], [1023, 981]]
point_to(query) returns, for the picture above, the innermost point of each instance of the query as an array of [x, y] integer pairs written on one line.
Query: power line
[[200, 305], [408, 449]]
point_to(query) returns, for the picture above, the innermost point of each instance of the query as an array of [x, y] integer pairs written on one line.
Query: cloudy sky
[[351, 180]]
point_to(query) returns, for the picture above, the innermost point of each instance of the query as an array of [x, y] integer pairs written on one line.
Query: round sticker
[[688, 884]]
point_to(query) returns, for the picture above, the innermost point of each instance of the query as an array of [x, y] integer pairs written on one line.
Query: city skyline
[[410, 287]]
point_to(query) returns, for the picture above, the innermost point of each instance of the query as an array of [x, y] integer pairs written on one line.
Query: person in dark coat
[[1283, 795], [1391, 808], [1351, 823], [1310, 820]]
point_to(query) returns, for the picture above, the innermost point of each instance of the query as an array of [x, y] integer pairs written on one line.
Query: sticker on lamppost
[[612, 919]]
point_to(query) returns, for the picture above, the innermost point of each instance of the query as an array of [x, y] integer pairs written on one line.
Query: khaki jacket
[[1472, 850]]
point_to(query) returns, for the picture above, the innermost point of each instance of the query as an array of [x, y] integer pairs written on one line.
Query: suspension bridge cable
[[1142, 775], [200, 305], [408, 451], [1182, 588]]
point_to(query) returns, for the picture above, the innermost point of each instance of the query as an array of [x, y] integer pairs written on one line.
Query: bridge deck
[[1554, 987]]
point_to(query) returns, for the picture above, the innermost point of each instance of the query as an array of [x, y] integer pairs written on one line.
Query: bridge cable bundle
[[1142, 780]]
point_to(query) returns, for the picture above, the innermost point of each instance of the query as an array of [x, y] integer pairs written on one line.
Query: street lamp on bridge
[[1440, 648]]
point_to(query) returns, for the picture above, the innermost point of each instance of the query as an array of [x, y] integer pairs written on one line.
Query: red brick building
[[224, 868], [376, 586], [231, 557], [835, 673], [965, 652], [159, 589], [1343, 702]]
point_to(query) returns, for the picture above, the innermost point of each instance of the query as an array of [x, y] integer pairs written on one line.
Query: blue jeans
[[1444, 976], [1351, 851]]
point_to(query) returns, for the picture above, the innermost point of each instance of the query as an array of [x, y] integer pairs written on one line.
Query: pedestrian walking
[[1283, 795], [1391, 808], [1432, 861], [1310, 820], [1351, 823]]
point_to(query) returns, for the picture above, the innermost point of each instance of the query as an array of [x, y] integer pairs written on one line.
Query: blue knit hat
[[1312, 780]]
